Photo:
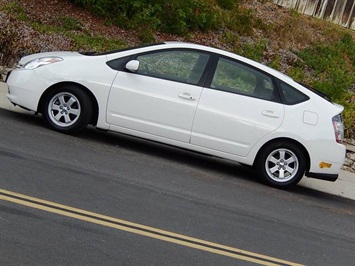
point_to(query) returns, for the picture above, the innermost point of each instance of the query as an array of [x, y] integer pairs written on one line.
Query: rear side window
[[290, 95], [234, 77]]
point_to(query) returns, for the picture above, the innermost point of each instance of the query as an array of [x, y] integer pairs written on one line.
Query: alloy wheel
[[282, 165], [64, 109]]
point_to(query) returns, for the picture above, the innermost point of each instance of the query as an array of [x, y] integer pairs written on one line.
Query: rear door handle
[[187, 96], [270, 113]]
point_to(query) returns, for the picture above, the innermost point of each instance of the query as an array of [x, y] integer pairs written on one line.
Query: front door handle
[[187, 96]]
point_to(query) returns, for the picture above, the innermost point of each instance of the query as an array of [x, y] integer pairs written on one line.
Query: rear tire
[[67, 109], [281, 164]]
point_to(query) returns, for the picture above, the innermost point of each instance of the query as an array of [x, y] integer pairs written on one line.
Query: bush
[[171, 16], [183, 16], [226, 4], [239, 20], [333, 65], [254, 51], [334, 73]]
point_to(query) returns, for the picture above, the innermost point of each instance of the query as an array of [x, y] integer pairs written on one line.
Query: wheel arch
[[80, 86], [289, 140]]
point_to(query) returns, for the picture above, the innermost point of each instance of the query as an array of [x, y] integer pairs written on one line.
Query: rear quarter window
[[235, 77], [290, 95]]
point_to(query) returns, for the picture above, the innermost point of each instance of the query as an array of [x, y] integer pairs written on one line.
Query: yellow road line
[[141, 229]]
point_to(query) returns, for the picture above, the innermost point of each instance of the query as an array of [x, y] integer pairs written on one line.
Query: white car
[[191, 96]]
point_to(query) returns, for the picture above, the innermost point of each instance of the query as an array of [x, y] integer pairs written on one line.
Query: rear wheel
[[281, 164], [67, 109]]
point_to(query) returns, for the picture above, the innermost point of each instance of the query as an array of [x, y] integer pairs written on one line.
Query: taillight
[[338, 128]]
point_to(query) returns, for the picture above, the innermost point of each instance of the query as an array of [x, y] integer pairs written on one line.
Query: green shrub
[[177, 16], [297, 73], [226, 4], [254, 51], [69, 23], [174, 16], [276, 63], [146, 36], [334, 73], [240, 20], [182, 16], [97, 43], [13, 7], [333, 65]]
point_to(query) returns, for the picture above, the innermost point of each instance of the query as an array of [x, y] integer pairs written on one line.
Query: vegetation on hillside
[[314, 52], [332, 72], [173, 16]]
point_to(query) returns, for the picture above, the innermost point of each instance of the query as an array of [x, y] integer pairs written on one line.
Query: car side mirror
[[132, 65]]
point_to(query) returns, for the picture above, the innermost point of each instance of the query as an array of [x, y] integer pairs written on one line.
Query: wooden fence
[[341, 12]]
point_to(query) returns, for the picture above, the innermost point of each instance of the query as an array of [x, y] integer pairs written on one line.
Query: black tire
[[281, 164], [67, 109]]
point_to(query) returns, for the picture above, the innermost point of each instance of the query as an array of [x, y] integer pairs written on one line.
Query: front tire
[[67, 109], [281, 164]]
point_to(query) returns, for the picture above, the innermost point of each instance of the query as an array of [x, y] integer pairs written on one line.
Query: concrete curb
[[343, 187]]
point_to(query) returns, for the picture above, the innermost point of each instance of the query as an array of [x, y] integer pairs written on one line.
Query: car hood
[[28, 58]]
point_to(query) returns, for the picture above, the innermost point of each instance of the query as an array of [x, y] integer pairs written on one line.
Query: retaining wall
[[349, 163]]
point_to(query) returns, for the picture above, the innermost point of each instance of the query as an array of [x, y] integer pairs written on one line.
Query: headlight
[[38, 62]]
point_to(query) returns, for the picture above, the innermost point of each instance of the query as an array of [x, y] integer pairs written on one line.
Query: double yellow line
[[140, 229]]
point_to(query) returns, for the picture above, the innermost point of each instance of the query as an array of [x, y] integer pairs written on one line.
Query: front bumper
[[25, 88]]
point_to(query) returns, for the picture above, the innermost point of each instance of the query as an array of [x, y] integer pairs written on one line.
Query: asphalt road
[[162, 206]]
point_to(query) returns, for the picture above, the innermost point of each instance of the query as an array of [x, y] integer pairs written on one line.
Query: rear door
[[240, 106], [161, 97]]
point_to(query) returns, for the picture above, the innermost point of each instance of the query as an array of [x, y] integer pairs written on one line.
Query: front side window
[[177, 65], [238, 78]]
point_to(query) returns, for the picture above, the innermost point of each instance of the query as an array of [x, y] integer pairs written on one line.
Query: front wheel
[[281, 164], [67, 109]]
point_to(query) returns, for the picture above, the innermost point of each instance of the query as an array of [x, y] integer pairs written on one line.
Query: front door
[[161, 97]]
